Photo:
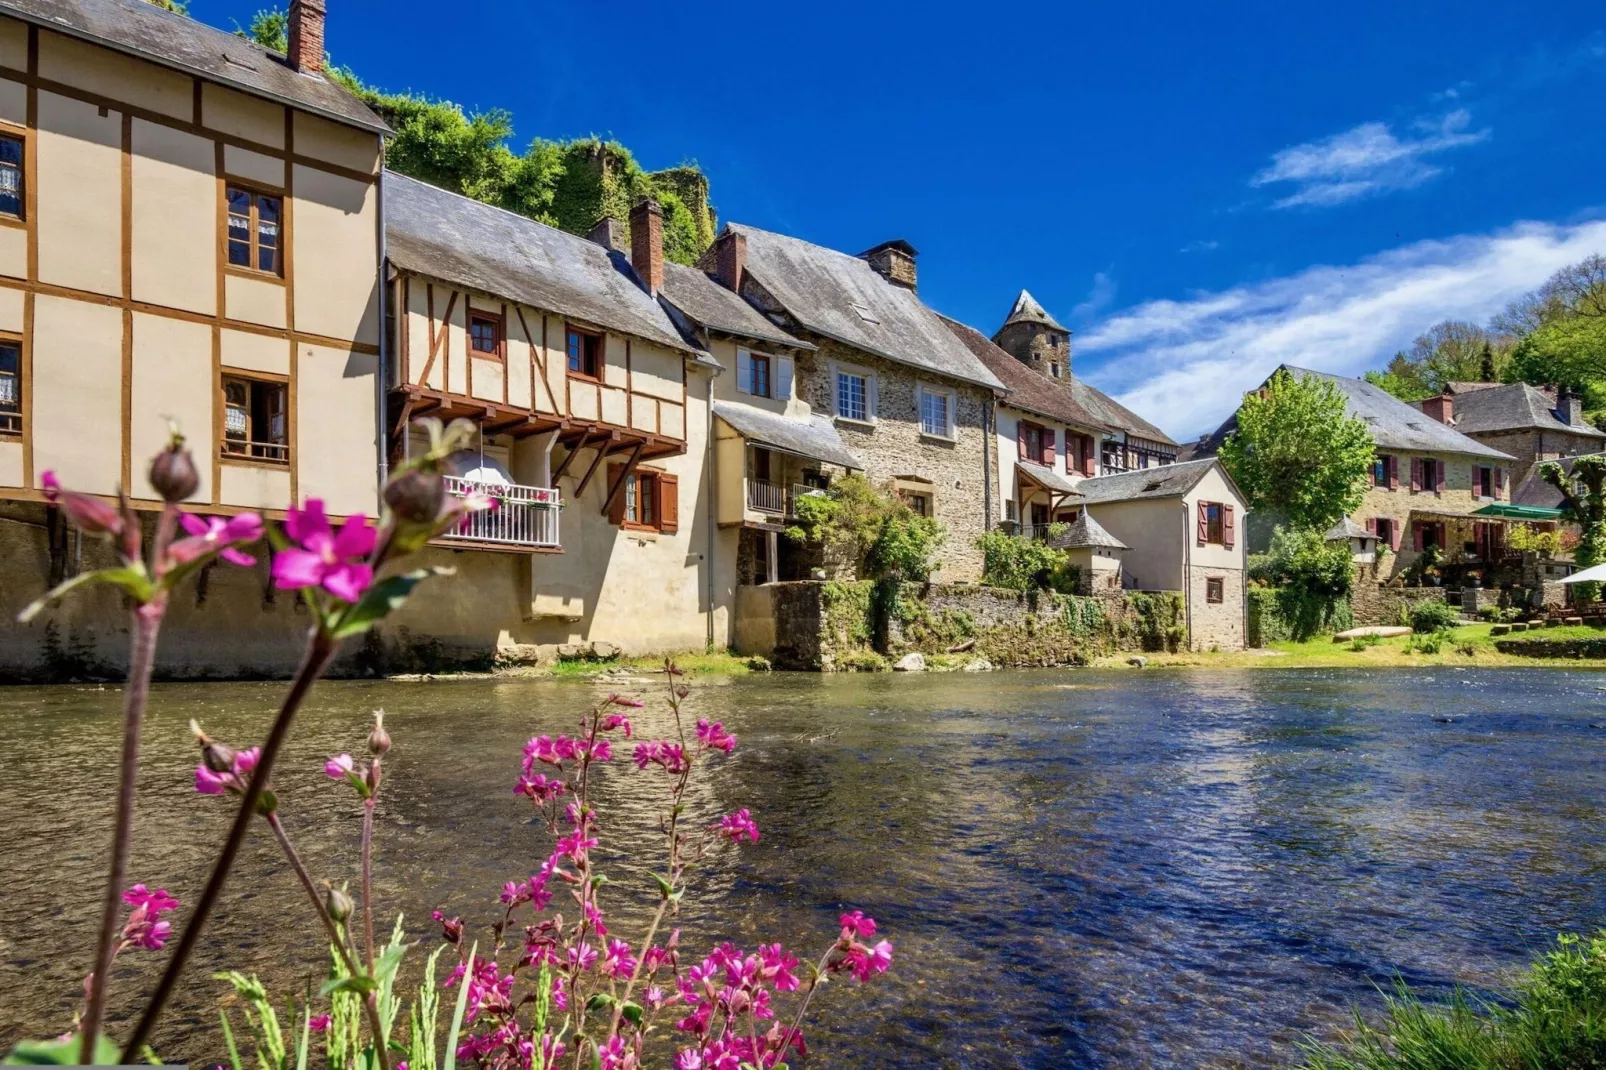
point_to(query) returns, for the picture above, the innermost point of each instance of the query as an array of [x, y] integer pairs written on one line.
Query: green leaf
[[457, 1014], [359, 985], [381, 600], [132, 580], [60, 1052], [306, 1037], [600, 1001], [228, 1040], [664, 887], [632, 1014]]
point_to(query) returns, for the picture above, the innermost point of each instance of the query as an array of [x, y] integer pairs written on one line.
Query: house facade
[[1532, 424], [189, 232], [903, 395]]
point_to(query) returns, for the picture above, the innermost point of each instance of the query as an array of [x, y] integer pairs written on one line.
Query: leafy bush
[[1525, 538], [1311, 578], [1554, 1019], [874, 533], [861, 661], [1429, 617], [1499, 614], [1429, 642], [1020, 564], [1159, 622]]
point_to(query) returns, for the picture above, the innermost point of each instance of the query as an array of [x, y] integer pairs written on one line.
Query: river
[[1077, 868]]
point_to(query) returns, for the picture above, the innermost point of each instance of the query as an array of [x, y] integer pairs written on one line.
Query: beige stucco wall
[[338, 454], [334, 248], [175, 236], [78, 192], [77, 393], [1154, 531], [1007, 453], [172, 380]]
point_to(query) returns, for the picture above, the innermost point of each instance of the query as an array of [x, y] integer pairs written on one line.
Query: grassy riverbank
[[1470, 645]]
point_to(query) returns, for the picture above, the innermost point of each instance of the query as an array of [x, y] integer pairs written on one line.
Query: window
[[1380, 471], [761, 376], [256, 422], [853, 396], [1054, 368], [648, 501], [920, 503], [936, 413], [1385, 531], [1112, 456], [1031, 441], [11, 176], [254, 236], [1213, 588], [10, 388], [485, 334], [585, 354], [1215, 522], [1430, 474], [1483, 482]]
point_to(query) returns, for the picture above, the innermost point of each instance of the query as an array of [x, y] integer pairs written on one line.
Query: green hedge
[[1283, 614]]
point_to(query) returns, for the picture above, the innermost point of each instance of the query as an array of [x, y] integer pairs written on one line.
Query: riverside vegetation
[[547, 991]]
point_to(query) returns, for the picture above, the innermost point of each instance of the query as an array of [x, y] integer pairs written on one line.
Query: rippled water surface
[[1077, 868]]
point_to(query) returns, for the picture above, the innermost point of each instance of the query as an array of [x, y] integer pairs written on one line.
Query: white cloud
[[1365, 160], [1200, 247], [1185, 364], [1100, 296]]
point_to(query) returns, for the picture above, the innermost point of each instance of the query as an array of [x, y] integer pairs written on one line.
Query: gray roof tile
[[1511, 407], [172, 40], [1027, 390], [1027, 310], [1087, 533], [708, 303], [1164, 481], [841, 297], [455, 239], [813, 437]]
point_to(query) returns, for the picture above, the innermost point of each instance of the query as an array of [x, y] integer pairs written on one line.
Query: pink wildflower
[[86, 512], [216, 534], [735, 826], [574, 846], [539, 788], [319, 1023], [672, 756], [583, 956], [337, 767], [208, 782], [714, 737], [618, 962], [144, 927], [325, 558], [619, 700], [514, 893], [601, 751], [560, 995], [613, 1054], [856, 924], [778, 967]]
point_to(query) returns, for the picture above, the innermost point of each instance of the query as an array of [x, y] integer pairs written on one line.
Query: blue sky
[[1200, 191]]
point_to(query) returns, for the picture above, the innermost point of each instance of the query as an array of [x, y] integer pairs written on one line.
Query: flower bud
[[378, 738], [218, 757], [86, 513], [173, 471], [338, 903], [416, 496]]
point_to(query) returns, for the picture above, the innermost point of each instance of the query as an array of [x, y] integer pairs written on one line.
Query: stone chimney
[[730, 260], [647, 244], [306, 35], [1569, 407], [894, 261], [1440, 408], [609, 233]]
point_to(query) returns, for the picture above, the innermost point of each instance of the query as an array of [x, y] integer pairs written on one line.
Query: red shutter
[[1090, 458], [1416, 535], [1020, 438], [1371, 526], [1048, 447], [669, 503], [1443, 546], [1394, 475], [1395, 531], [1371, 475], [616, 511], [1204, 523], [1416, 477], [1226, 526]]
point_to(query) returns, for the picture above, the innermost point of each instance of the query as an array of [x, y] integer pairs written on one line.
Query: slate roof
[[814, 437], [1512, 407], [708, 303], [1051, 478], [1027, 389], [1087, 533], [1394, 425], [1535, 491], [1165, 481], [145, 30], [842, 298], [1348, 529], [1027, 310], [1111, 413], [458, 240]]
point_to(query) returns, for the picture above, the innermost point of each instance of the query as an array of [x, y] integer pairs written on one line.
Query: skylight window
[[864, 312]]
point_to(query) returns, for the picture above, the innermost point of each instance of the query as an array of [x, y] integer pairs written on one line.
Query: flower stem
[[147, 621], [321, 650], [814, 983], [368, 874]]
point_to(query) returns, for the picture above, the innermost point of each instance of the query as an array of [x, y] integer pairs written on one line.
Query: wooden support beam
[[603, 447], [513, 424], [568, 458], [618, 484]]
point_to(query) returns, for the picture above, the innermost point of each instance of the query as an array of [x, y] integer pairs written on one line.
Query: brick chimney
[[894, 261], [730, 260], [609, 233], [1440, 408], [647, 244], [1569, 407], [306, 35]]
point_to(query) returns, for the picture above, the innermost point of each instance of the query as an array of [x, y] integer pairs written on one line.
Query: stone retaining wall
[[1592, 647], [1373, 604]]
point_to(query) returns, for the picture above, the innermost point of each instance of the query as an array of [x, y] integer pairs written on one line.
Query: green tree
[[874, 534], [1298, 453], [1401, 379], [1569, 352], [1448, 352], [1583, 502]]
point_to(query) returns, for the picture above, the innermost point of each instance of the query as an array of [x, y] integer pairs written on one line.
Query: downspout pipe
[[381, 383], [989, 440], [710, 474], [1187, 568]]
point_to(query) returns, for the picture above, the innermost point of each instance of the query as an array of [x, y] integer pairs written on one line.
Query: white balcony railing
[[524, 516]]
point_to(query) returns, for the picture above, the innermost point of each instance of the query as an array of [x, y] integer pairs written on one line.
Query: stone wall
[[1216, 625], [1403, 506], [894, 446], [1375, 604], [1592, 647]]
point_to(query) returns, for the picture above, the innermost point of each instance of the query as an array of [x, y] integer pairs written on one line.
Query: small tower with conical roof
[[1036, 339]]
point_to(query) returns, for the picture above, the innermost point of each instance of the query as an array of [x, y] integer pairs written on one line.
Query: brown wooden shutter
[[1090, 456], [1048, 447], [1416, 534], [1371, 526], [616, 511], [1416, 477], [1443, 546], [1226, 526], [1394, 475], [1204, 523], [1396, 530], [669, 503], [1020, 438], [1371, 474]]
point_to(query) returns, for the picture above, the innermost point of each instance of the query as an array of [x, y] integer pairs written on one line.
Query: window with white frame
[[936, 412], [853, 396]]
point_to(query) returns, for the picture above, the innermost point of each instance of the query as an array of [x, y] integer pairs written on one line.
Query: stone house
[[1181, 525], [189, 229], [902, 393], [1530, 423], [1428, 481]]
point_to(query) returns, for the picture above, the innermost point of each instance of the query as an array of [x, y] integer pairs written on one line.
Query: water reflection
[[1155, 869]]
